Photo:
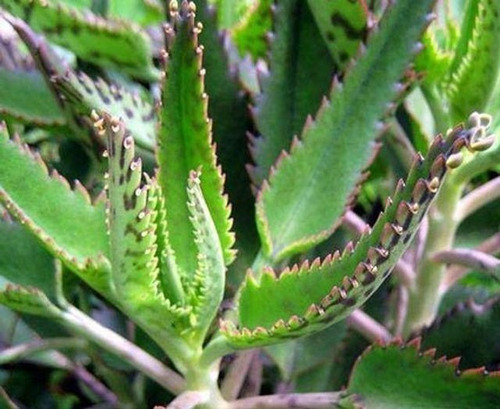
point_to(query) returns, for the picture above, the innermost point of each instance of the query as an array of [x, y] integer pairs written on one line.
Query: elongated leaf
[[63, 219], [185, 141], [23, 261], [400, 376], [473, 80], [38, 106], [310, 297], [110, 43], [134, 252], [250, 34], [82, 95], [207, 287], [229, 133], [307, 193], [343, 26], [300, 75]]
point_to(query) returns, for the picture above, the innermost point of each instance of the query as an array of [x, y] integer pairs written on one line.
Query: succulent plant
[[210, 226]]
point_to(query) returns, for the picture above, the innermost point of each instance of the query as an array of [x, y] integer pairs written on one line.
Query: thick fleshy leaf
[[470, 331], [250, 34], [38, 106], [310, 297], [206, 289], [24, 261], [81, 95], [300, 75], [143, 12], [77, 235], [343, 25], [229, 133], [185, 141], [306, 195], [29, 300], [400, 376], [110, 43], [134, 251], [475, 68]]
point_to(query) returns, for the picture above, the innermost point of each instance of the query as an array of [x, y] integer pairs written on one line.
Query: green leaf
[[206, 289], [230, 134], [38, 106], [143, 12], [433, 61], [81, 95], [470, 331], [111, 43], [475, 68], [306, 362], [400, 376], [300, 75], [250, 34], [304, 198], [24, 261], [343, 26], [185, 141], [77, 235], [134, 249], [29, 300], [310, 297]]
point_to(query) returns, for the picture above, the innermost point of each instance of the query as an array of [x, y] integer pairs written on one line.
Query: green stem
[[85, 326], [22, 351], [427, 290], [202, 379], [292, 400]]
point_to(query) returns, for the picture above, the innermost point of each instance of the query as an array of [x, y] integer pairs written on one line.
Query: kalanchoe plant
[[204, 271]]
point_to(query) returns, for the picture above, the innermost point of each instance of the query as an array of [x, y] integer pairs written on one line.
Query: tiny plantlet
[[256, 204]]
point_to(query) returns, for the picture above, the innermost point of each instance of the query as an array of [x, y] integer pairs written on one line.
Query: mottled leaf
[[82, 94], [134, 251], [343, 24]]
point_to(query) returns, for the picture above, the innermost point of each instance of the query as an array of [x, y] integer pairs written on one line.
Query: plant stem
[[114, 343], [238, 371], [368, 327], [478, 198], [5, 400], [455, 273], [469, 258], [189, 400], [425, 295], [22, 351], [203, 379], [326, 400]]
